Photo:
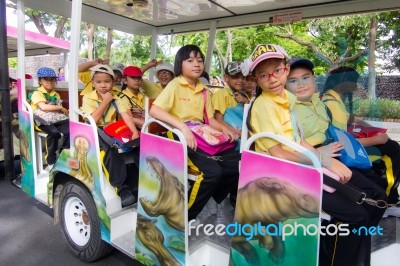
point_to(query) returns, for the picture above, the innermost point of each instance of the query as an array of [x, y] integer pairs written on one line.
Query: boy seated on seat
[[104, 105]]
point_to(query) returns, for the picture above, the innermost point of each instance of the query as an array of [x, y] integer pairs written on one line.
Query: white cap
[[165, 66]]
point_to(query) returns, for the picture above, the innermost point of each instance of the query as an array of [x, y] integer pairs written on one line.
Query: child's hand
[[64, 111], [189, 137], [332, 149], [154, 62], [240, 98], [337, 167], [101, 61], [233, 136], [107, 97]]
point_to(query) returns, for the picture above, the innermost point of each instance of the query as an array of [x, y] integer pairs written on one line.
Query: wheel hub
[[77, 221]]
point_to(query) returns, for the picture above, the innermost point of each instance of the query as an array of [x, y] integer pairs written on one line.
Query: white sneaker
[[392, 211]]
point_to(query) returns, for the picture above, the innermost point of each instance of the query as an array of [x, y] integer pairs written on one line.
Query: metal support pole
[[6, 115], [153, 51], [210, 45]]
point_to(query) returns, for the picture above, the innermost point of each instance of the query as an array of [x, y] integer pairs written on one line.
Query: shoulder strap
[[121, 94], [204, 92]]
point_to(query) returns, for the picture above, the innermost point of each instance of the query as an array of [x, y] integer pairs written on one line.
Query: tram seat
[[40, 138], [245, 136]]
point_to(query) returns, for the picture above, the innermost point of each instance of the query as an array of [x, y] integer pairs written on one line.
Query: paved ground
[[28, 236]]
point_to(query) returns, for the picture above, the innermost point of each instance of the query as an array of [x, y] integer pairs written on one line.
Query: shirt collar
[[42, 89], [334, 94], [288, 100], [199, 86]]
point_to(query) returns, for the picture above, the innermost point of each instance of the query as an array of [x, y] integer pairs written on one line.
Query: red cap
[[132, 71], [28, 76]]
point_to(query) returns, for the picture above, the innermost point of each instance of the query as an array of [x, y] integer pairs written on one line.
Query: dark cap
[[233, 68], [301, 62]]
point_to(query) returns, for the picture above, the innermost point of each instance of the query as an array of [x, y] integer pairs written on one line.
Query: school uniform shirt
[[138, 99], [38, 97], [340, 116], [184, 102], [313, 119], [271, 113], [151, 89], [86, 77], [91, 102], [223, 99]]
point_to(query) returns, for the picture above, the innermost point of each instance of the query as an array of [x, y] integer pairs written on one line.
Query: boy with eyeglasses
[[164, 73], [313, 118]]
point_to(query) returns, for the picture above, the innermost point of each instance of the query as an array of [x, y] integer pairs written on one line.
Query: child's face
[[250, 85], [164, 77], [48, 83], [118, 77], [102, 82], [235, 82], [271, 75], [133, 83], [193, 67], [301, 82]]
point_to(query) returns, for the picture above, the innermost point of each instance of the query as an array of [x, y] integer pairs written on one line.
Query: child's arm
[[330, 163], [128, 119], [160, 114], [51, 108], [86, 66], [375, 140], [150, 64], [220, 118]]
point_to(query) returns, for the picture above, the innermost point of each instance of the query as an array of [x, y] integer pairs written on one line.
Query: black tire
[[80, 223]]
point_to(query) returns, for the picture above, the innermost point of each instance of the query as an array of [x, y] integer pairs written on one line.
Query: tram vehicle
[[155, 231]]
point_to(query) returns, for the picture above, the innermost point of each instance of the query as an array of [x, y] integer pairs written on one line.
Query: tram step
[[126, 244]]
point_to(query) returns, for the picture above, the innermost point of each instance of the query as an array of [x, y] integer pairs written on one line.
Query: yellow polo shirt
[[86, 77], [223, 99], [313, 118], [271, 113], [91, 102], [184, 102], [151, 89], [138, 99], [340, 116], [38, 97]]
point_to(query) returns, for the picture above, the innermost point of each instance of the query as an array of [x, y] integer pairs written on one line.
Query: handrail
[[315, 161]]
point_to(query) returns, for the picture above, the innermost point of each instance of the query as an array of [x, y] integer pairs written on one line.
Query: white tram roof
[[142, 17], [35, 43]]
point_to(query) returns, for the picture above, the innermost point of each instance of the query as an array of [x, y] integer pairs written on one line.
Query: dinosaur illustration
[[84, 174], [153, 239], [170, 200], [24, 150], [270, 201]]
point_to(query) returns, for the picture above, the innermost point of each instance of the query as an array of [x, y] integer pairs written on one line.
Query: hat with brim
[[102, 69], [266, 51], [165, 66], [233, 68], [118, 67], [132, 71], [301, 62]]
